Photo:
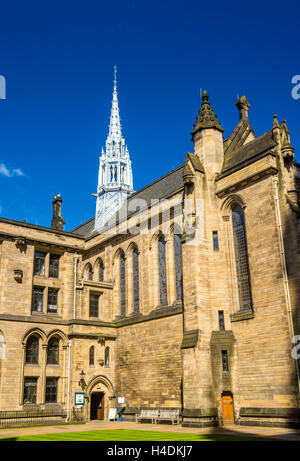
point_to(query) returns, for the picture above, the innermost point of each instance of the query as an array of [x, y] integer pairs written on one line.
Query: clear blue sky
[[58, 58]]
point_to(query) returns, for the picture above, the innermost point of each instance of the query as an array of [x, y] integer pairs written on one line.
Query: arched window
[[107, 357], [88, 272], [122, 285], [2, 346], [32, 350], [241, 258], [178, 265], [101, 271], [53, 352], [136, 282], [162, 271], [92, 355]]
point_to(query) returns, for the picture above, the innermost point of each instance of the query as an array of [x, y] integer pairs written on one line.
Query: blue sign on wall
[[79, 398]]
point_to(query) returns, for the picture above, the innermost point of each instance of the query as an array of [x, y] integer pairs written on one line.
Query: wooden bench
[[170, 415], [147, 414]]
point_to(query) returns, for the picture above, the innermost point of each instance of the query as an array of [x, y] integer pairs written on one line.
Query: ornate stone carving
[[206, 118], [101, 340], [115, 172], [20, 243], [18, 275]]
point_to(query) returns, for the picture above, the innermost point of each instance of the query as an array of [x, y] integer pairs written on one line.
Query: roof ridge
[[85, 222], [136, 192], [156, 180]]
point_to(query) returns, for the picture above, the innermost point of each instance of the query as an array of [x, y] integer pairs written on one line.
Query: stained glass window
[[225, 364], [101, 271], [241, 258], [135, 274], [221, 320], [178, 265], [122, 286], [215, 240], [162, 271]]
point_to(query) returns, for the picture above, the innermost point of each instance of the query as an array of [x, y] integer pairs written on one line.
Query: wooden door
[[97, 405], [100, 410], [227, 409]]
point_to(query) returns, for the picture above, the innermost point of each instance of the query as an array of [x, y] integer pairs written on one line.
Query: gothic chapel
[[182, 295]]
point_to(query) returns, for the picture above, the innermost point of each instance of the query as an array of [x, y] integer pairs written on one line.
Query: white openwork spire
[[115, 173]]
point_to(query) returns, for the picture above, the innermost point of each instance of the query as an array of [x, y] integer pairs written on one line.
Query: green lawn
[[130, 435]]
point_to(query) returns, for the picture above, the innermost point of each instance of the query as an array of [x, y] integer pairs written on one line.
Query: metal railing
[[32, 417]]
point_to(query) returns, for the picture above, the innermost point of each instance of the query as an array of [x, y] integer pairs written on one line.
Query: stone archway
[[99, 390]]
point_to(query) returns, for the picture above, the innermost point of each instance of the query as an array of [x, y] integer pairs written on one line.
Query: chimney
[[57, 222]]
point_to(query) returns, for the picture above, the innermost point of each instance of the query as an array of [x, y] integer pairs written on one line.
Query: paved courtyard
[[275, 433]]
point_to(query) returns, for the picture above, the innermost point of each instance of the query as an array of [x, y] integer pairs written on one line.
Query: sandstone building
[[188, 297]]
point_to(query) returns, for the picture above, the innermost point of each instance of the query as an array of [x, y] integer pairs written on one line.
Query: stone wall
[[149, 369]]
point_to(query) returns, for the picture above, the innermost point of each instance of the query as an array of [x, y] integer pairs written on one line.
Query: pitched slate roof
[[159, 189], [238, 136], [233, 159]]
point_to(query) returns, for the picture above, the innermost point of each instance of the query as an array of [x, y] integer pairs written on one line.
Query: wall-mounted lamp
[[82, 383]]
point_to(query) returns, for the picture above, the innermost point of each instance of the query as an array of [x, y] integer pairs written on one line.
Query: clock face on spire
[[115, 173]]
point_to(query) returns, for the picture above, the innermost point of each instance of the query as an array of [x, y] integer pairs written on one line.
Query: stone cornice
[[118, 323], [271, 170], [94, 284], [40, 242], [79, 335], [41, 228]]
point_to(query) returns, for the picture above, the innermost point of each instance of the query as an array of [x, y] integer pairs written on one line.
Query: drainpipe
[[74, 286], [69, 381], [285, 276]]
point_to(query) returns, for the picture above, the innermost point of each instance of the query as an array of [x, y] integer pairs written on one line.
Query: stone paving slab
[[276, 433]]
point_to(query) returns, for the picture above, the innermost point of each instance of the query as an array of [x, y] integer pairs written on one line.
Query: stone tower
[[115, 173]]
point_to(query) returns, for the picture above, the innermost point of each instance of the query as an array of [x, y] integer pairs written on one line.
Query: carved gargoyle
[[101, 340], [21, 243]]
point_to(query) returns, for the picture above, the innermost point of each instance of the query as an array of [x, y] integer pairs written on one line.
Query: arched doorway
[[100, 393], [97, 406]]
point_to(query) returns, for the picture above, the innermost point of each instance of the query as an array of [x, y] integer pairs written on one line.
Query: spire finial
[[115, 75], [206, 118], [275, 122], [204, 96], [243, 106]]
